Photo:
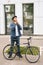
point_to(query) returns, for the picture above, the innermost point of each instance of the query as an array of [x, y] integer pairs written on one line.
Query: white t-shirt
[[17, 34]]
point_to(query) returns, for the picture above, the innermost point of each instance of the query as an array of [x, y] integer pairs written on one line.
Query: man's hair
[[14, 17]]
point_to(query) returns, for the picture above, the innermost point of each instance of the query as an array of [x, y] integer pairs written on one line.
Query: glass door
[[9, 13], [28, 19]]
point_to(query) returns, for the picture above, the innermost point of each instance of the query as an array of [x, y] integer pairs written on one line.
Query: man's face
[[15, 19]]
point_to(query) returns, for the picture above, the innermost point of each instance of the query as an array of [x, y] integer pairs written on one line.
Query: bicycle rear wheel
[[6, 51], [32, 54]]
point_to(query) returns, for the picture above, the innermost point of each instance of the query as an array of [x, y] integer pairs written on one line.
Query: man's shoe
[[17, 54], [20, 56], [10, 56]]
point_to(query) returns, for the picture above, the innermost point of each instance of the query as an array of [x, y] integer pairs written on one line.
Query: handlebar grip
[[25, 43]]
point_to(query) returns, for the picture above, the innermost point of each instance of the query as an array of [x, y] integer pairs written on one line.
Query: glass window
[[28, 19], [9, 8], [9, 13], [9, 20]]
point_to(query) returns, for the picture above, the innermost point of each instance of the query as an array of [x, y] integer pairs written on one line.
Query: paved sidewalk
[[16, 61]]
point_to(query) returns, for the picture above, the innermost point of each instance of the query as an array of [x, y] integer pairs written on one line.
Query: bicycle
[[32, 53]]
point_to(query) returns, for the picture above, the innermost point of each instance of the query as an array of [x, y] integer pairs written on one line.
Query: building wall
[[38, 14], [38, 17]]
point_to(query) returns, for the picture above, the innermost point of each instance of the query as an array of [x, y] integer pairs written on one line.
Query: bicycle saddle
[[29, 38]]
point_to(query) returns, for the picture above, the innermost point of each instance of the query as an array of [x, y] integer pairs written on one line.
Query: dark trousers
[[17, 40]]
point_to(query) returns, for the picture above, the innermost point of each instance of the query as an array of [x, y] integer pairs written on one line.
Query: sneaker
[[20, 56], [9, 56]]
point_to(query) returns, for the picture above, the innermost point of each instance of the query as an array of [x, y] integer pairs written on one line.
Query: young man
[[15, 34]]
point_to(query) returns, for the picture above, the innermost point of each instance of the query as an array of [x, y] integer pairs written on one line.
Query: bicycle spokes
[[32, 54]]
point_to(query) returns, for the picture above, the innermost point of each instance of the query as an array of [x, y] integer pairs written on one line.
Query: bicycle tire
[[6, 51], [32, 54]]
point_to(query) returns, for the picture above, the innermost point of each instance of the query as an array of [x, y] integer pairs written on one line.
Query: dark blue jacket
[[13, 32]]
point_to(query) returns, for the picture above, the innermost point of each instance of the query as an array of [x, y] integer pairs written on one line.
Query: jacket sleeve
[[12, 26], [20, 28]]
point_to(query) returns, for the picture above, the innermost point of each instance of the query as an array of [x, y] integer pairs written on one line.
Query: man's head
[[14, 18]]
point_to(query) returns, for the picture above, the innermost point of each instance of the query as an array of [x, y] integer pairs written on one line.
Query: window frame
[[6, 16], [33, 18]]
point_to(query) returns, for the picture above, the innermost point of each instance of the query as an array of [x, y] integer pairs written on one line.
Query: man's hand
[[16, 22]]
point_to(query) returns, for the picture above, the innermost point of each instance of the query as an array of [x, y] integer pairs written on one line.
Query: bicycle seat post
[[28, 43], [29, 40]]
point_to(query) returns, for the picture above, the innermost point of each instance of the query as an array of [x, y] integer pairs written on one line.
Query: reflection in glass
[[27, 19], [9, 13], [9, 20], [9, 8]]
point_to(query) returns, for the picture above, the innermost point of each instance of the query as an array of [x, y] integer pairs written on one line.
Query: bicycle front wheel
[[32, 54], [6, 51]]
